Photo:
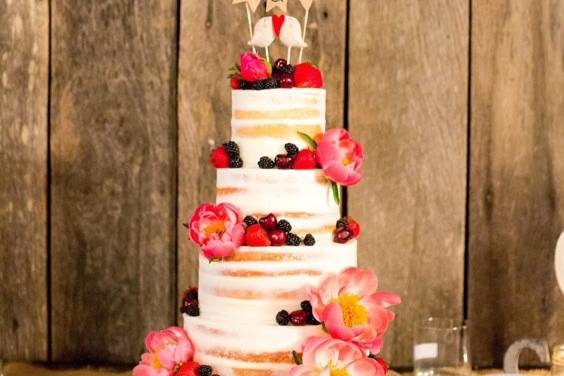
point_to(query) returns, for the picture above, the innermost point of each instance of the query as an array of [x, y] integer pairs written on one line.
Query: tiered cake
[[240, 296]]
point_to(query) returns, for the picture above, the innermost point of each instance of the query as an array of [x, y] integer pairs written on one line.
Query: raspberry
[[256, 236], [309, 240], [291, 149], [219, 157], [235, 83], [188, 369], [265, 162], [342, 223], [268, 222], [250, 220], [205, 370], [284, 225], [192, 308], [236, 162], [283, 318], [298, 318], [342, 235], [283, 161], [232, 149], [245, 85], [354, 227], [292, 239], [305, 160], [277, 237], [306, 306]]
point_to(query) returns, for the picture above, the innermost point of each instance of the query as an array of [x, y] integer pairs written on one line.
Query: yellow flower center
[[156, 362], [346, 161], [338, 372], [215, 227], [354, 313]]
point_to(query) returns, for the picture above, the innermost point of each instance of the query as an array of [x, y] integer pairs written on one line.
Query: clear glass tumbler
[[440, 348], [557, 368]]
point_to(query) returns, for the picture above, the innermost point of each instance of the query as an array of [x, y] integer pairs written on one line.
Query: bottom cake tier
[[247, 349]]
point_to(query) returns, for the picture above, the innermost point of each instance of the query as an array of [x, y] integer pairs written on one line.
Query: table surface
[[26, 369]]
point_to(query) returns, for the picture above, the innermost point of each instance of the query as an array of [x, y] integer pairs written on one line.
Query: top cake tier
[[262, 121]]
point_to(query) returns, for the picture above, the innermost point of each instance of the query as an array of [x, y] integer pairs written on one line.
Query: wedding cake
[[279, 289]]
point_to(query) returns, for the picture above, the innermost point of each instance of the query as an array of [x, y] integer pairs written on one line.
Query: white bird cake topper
[[559, 262], [286, 28]]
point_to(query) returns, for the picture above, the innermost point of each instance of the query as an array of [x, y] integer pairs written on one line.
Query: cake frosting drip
[[262, 121], [303, 197]]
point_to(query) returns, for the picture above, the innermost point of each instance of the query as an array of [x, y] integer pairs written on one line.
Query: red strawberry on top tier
[[307, 75]]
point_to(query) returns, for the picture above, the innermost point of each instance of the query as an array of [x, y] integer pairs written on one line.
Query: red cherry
[[287, 81], [219, 157], [277, 237], [269, 222], [305, 160], [342, 235], [354, 227], [283, 161], [298, 318], [235, 83], [279, 64]]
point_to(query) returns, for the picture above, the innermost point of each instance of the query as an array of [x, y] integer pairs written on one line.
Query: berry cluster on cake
[[279, 288]]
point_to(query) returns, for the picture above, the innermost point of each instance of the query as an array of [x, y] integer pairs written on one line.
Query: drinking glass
[[557, 368], [440, 348]]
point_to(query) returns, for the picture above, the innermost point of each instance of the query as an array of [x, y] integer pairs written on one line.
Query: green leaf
[[297, 357], [310, 141], [336, 193]]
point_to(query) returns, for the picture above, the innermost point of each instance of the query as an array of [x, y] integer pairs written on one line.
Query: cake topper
[[286, 28]]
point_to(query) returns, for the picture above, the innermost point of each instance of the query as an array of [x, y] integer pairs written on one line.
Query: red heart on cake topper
[[277, 22]]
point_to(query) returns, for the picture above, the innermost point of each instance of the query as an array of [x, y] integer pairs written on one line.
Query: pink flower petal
[[365, 367]]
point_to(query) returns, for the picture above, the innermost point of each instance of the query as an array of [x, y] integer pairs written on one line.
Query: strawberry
[[188, 369], [256, 236], [383, 364], [353, 227], [219, 157], [235, 83], [305, 160], [307, 75]]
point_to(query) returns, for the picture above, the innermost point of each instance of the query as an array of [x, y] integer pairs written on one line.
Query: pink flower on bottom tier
[[254, 67], [340, 156], [166, 350], [334, 357], [351, 308], [217, 229]]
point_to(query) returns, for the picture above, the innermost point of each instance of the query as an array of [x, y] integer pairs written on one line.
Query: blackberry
[[309, 240], [291, 149], [232, 149], [293, 239], [190, 294], [283, 318], [192, 309], [311, 320], [288, 68], [342, 223], [284, 225], [265, 162], [236, 162], [205, 370], [245, 85], [250, 220], [271, 83], [258, 85], [306, 306]]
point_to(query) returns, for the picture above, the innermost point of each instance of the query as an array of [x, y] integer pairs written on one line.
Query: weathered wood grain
[[24, 58], [113, 176], [212, 37], [517, 174], [407, 104]]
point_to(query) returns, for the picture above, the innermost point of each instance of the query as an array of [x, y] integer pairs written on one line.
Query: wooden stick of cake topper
[[249, 5], [306, 4]]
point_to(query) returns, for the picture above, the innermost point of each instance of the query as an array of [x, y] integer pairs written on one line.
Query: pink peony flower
[[217, 229], [254, 68], [329, 356], [166, 350], [340, 156], [351, 308]]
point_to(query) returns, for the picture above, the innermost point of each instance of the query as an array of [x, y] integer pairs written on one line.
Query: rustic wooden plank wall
[[24, 60], [137, 99], [517, 173]]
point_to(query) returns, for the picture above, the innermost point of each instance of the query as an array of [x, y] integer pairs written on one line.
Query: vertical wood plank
[[24, 59], [212, 37], [113, 176], [517, 175], [407, 104]]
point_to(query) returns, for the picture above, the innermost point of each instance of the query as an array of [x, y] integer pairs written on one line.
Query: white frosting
[[265, 280], [229, 347], [303, 197], [264, 120]]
